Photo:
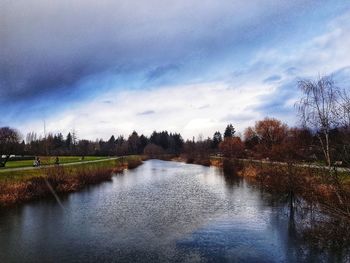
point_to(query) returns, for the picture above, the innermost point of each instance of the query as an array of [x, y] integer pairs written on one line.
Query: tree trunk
[[327, 150]]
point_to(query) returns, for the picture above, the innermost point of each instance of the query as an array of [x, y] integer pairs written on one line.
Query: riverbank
[[331, 189], [25, 185], [323, 196]]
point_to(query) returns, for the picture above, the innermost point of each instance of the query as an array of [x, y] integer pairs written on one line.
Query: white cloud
[[177, 109]]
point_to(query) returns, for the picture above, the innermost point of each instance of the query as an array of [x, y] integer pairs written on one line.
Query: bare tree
[[344, 112], [319, 109], [9, 142], [344, 115]]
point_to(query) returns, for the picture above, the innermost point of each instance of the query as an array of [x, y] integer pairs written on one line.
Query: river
[[159, 212]]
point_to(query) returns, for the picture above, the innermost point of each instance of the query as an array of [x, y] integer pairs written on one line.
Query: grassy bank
[[21, 186], [50, 161]]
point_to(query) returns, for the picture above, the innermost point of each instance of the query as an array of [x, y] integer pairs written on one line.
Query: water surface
[[159, 212]]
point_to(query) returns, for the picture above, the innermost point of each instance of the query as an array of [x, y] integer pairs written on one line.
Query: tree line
[[12, 143]]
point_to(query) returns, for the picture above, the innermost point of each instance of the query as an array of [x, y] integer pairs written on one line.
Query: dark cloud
[[50, 47]]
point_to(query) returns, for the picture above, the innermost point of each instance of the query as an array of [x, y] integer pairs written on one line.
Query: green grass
[[10, 176], [50, 160]]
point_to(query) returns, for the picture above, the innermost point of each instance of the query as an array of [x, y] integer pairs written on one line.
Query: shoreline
[[56, 180]]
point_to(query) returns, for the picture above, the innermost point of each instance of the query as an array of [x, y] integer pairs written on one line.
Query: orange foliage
[[271, 131], [232, 147]]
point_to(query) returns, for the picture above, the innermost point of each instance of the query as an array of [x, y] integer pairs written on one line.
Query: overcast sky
[[110, 67]]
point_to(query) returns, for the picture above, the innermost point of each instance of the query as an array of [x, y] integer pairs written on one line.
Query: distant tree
[[110, 146], [178, 142], [104, 147], [270, 132], [21, 148], [123, 148], [229, 131], [74, 137], [344, 109], [9, 143], [164, 139], [143, 143], [343, 138], [96, 147], [134, 143], [69, 141], [190, 148], [171, 143], [111, 140], [31, 137], [9, 140], [217, 139], [120, 139], [49, 144], [85, 147], [121, 144], [153, 150], [294, 146], [203, 147], [251, 139], [31, 141], [58, 143], [198, 151], [232, 147]]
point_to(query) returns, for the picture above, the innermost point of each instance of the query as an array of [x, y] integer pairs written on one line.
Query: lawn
[[10, 176], [51, 160]]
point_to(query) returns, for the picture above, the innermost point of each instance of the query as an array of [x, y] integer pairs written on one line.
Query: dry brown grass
[[249, 172], [132, 164], [216, 162]]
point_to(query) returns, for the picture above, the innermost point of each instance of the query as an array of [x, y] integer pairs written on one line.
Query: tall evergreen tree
[[134, 143], [230, 131], [69, 141], [217, 138]]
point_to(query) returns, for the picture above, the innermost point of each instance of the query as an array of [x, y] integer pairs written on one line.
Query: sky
[[110, 67]]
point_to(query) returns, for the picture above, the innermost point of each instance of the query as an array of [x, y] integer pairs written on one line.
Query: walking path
[[52, 165], [339, 169], [306, 165]]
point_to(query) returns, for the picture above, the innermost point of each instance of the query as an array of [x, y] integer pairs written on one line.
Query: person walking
[[57, 161]]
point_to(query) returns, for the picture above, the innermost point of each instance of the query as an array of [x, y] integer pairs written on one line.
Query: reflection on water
[[161, 211]]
